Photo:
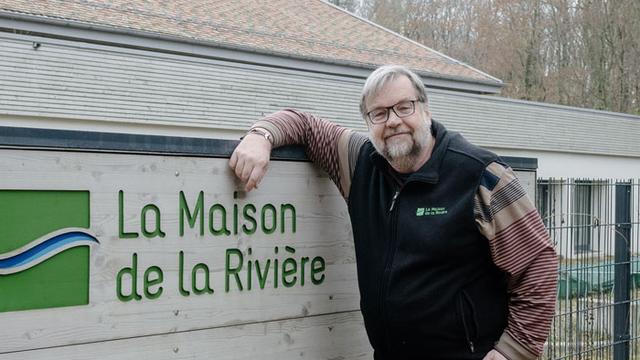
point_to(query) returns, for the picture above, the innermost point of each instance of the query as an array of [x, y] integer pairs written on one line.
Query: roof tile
[[303, 28]]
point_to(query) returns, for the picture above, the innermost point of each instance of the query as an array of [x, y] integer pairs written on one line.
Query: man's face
[[399, 138]]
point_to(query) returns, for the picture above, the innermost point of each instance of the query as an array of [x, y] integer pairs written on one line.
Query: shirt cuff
[[512, 350], [276, 134]]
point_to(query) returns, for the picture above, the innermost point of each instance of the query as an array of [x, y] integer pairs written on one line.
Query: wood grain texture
[[333, 336], [323, 229]]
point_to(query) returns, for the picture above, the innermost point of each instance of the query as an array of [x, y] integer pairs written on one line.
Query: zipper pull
[[471, 347], [393, 201]]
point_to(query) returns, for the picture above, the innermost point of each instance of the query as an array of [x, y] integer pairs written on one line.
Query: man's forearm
[[288, 127], [531, 309], [326, 143]]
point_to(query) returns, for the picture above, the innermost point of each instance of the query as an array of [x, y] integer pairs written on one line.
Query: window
[[582, 216]]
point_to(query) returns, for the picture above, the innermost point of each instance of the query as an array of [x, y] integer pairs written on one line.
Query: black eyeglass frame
[[393, 108]]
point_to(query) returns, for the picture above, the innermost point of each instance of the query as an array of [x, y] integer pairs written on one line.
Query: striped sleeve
[[521, 247], [332, 147]]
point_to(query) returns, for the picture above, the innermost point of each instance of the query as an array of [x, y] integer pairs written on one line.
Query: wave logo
[[44, 249]]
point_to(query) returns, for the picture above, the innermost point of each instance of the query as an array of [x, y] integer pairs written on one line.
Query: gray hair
[[379, 78]]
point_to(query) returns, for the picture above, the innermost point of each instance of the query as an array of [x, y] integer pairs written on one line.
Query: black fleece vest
[[428, 286]]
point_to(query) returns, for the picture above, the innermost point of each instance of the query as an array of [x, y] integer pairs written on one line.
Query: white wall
[[573, 165]]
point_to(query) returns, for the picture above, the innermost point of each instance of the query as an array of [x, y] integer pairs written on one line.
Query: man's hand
[[250, 159], [494, 355]]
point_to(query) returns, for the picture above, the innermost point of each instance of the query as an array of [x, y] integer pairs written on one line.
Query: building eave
[[53, 27]]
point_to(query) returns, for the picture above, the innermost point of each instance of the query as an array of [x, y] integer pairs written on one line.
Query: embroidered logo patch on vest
[[431, 211]]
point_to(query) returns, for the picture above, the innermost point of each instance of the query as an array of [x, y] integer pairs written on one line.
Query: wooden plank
[[334, 336], [322, 231]]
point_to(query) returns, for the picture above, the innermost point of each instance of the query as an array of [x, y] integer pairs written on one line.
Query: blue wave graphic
[[46, 249]]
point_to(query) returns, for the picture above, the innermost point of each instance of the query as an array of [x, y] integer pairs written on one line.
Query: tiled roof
[[309, 29]]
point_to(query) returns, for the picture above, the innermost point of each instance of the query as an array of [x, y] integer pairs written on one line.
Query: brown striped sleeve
[[521, 247], [332, 147]]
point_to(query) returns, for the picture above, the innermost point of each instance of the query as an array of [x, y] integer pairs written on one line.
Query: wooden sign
[[123, 255]]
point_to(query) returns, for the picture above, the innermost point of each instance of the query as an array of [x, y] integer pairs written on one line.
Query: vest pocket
[[467, 315]]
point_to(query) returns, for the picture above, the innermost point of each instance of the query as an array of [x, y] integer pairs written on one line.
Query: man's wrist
[[264, 133], [511, 349]]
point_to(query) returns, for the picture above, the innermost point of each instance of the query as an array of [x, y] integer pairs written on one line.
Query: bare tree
[[574, 52], [349, 5]]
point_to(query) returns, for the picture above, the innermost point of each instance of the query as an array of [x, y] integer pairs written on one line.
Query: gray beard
[[402, 157]]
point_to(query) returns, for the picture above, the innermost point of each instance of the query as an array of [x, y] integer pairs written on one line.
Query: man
[[453, 260]]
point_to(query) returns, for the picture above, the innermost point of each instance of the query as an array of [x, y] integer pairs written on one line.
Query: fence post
[[621, 296]]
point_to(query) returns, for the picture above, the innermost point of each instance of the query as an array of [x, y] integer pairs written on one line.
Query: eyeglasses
[[402, 109]]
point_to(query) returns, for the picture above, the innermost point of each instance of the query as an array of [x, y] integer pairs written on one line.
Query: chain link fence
[[595, 227]]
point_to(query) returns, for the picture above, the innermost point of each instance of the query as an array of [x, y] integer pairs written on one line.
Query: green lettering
[[235, 219], [303, 261], [223, 226], [249, 273], [133, 274], [149, 282], [262, 276], [274, 222], [207, 287], [275, 270], [292, 269], [229, 271], [181, 288], [249, 217], [121, 233], [143, 216], [292, 209], [319, 269], [192, 216]]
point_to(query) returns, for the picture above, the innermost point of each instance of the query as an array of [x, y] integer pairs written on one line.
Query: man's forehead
[[392, 92]]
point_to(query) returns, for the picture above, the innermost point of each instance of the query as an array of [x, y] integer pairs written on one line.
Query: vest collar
[[430, 171]]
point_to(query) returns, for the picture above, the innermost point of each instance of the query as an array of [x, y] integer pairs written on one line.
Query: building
[[208, 69], [177, 69], [127, 62]]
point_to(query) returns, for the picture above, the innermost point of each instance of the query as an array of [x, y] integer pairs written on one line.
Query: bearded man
[[453, 259]]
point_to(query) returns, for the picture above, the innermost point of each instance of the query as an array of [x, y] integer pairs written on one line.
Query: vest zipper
[[467, 332], [393, 200], [388, 261]]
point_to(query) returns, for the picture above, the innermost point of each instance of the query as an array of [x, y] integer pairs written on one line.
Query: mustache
[[390, 134]]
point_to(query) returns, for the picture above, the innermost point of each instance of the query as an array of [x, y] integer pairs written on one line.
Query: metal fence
[[595, 227]]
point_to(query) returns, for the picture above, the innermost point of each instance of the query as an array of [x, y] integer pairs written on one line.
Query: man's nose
[[394, 120]]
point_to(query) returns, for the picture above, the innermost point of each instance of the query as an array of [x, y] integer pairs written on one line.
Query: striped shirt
[[519, 243]]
